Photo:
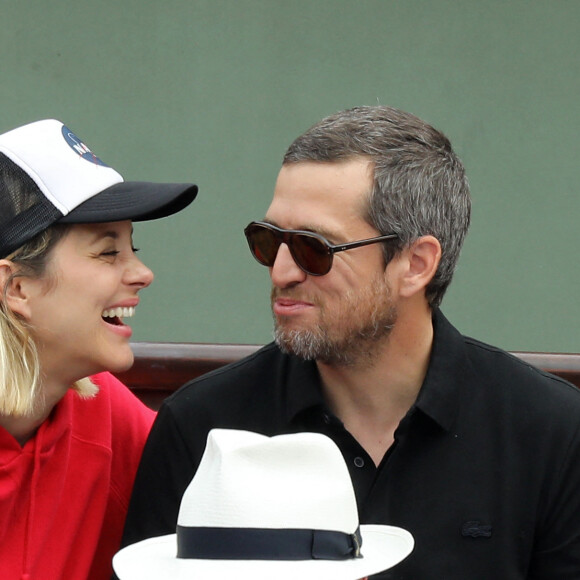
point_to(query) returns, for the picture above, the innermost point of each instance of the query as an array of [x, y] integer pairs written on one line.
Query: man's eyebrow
[[307, 228]]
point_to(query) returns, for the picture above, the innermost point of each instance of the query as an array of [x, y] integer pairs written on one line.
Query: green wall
[[214, 91]]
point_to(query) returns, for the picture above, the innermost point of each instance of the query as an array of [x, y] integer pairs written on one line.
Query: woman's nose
[[138, 273]]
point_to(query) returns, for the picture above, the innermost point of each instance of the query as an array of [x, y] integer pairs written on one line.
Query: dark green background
[[214, 91]]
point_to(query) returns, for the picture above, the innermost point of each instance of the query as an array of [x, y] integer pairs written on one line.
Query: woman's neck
[[24, 427]]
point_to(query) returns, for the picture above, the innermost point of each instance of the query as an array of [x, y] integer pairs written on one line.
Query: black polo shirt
[[484, 470]]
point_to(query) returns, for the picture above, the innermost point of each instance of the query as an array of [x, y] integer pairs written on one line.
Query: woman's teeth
[[119, 312]]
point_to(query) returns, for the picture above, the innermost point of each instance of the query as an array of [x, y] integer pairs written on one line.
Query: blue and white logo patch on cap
[[79, 147], [49, 152]]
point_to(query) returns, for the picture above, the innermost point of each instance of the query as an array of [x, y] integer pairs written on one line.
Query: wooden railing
[[162, 367]]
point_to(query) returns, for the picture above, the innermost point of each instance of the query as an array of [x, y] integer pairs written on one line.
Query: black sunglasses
[[311, 252]]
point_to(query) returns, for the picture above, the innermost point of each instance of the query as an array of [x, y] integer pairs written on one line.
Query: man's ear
[[423, 258], [13, 289]]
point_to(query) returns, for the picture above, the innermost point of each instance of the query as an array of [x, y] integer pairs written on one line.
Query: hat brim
[[133, 200], [154, 559]]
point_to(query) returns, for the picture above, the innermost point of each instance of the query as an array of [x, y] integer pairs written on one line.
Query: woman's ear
[[423, 258], [13, 289]]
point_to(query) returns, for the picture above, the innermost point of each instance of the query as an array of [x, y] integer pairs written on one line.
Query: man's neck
[[371, 399]]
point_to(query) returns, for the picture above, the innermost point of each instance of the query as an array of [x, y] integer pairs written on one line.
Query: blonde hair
[[20, 372]]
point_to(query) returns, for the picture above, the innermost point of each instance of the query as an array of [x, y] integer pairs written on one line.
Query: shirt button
[[326, 418], [359, 461]]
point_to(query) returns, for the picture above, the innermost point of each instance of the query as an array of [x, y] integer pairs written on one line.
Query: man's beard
[[349, 335]]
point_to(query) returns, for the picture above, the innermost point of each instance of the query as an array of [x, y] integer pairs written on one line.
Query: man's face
[[336, 318]]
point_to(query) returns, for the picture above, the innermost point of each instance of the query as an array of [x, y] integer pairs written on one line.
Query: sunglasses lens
[[263, 244], [311, 254]]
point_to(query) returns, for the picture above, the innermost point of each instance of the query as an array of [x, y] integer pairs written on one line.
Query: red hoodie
[[64, 495]]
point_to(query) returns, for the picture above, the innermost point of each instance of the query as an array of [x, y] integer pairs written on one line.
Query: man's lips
[[289, 306]]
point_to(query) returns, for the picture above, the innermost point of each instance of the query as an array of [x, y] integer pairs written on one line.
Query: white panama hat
[[48, 175], [267, 508]]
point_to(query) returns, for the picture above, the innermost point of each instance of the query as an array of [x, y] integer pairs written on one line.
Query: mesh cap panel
[[24, 210]]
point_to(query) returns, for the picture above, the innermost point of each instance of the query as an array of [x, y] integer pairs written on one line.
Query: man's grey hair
[[420, 187]]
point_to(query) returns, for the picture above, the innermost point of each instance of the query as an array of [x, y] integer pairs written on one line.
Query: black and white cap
[[48, 175]]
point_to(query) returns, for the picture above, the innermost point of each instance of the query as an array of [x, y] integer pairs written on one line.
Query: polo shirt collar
[[303, 387], [448, 371]]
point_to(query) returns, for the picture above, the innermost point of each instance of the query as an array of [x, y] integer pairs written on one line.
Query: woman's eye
[[110, 253]]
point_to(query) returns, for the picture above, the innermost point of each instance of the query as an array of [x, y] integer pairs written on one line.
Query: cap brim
[[133, 200], [154, 559]]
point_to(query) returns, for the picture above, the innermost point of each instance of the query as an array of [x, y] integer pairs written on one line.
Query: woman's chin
[[121, 362]]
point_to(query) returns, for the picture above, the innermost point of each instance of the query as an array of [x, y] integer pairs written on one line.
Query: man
[[267, 507], [474, 452]]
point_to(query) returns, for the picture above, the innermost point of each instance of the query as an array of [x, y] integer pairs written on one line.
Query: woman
[[69, 277]]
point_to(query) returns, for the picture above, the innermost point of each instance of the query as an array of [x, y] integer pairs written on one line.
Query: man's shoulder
[[493, 370], [248, 394], [517, 377], [256, 372]]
